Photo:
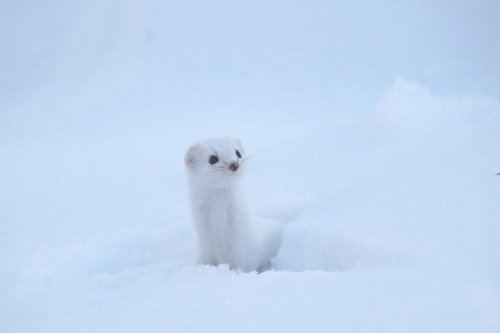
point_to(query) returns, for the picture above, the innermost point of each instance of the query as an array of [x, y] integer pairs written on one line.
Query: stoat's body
[[225, 235]]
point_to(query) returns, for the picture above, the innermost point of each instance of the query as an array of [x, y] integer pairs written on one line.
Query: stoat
[[225, 234]]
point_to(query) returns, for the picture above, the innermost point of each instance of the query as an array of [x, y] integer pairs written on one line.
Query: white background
[[374, 130]]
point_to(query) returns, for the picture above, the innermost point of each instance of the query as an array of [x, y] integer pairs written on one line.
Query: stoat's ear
[[193, 155]]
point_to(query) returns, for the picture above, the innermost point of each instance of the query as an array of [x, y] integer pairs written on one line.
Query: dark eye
[[213, 159], [238, 153]]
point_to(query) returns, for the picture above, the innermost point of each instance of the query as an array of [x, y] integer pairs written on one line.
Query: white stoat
[[225, 235]]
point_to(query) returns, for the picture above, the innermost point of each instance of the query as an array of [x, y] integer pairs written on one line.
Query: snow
[[381, 165]]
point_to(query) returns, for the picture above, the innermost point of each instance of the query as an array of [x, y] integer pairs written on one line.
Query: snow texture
[[374, 135]]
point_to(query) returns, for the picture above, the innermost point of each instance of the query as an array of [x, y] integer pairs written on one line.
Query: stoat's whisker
[[209, 172]]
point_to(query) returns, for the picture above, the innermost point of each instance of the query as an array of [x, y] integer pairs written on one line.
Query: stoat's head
[[216, 163]]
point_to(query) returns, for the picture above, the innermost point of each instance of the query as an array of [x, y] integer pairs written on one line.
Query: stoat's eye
[[213, 159], [238, 153]]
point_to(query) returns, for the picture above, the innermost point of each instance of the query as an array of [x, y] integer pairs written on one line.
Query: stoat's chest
[[220, 208]]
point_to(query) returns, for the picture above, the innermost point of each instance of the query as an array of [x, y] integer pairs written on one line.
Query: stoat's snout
[[233, 166]]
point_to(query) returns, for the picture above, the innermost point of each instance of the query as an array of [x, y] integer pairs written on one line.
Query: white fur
[[225, 234]]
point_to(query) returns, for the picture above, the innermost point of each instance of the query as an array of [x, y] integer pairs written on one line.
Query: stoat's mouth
[[233, 173]]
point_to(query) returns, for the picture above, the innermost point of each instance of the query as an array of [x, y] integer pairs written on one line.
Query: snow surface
[[374, 134]]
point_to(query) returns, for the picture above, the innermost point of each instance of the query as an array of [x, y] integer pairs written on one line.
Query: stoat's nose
[[233, 166]]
